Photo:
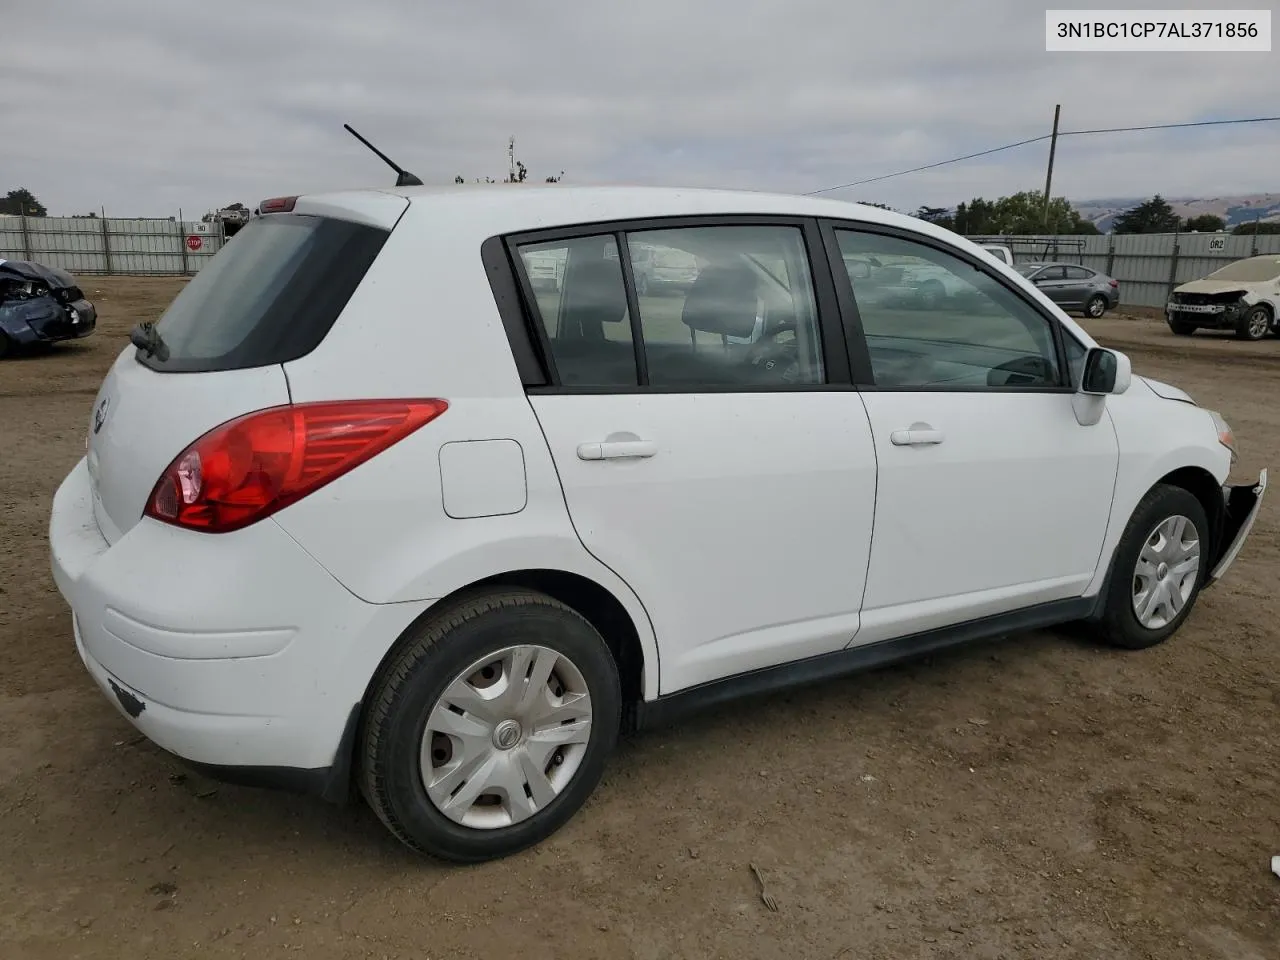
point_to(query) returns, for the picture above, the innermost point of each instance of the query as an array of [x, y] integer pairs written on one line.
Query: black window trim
[[860, 354], [528, 338]]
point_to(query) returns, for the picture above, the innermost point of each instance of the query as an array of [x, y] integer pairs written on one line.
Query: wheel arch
[[602, 608], [1202, 485]]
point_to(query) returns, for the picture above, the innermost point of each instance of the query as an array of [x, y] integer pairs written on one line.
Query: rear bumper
[[238, 654], [1242, 505]]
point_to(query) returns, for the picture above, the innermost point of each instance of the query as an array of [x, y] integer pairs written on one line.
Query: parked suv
[[362, 509]]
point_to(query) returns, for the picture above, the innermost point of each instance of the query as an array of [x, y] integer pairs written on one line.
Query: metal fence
[[107, 245], [1148, 265]]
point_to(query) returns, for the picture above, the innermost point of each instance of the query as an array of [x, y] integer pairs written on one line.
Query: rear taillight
[[250, 467], [1115, 283]]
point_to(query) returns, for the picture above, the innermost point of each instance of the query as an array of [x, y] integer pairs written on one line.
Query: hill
[[1244, 208]]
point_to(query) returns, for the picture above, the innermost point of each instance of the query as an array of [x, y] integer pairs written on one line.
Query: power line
[[930, 166], [1023, 143]]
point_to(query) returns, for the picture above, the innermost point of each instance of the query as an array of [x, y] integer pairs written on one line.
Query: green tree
[[872, 203], [1205, 223], [1259, 227], [940, 216], [1152, 216], [1017, 214], [22, 202]]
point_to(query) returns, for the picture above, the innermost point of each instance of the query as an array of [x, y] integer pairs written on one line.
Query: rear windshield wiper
[[146, 337]]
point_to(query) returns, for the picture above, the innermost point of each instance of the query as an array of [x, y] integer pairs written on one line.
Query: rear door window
[[585, 316], [269, 296]]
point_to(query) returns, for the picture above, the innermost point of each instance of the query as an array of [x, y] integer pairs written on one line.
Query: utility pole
[[1048, 177], [511, 159]]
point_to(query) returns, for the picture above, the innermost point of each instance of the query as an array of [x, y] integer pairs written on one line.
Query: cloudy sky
[[144, 106]]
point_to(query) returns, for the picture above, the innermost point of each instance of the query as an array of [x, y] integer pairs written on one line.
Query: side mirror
[[858, 269], [1105, 371]]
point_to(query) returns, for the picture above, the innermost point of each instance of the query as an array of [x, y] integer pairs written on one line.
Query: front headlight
[[1225, 435]]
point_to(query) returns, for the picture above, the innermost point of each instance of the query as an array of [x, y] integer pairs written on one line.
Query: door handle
[[920, 434], [616, 449]]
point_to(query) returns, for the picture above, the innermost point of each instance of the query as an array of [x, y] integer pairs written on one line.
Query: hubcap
[[1095, 308], [506, 737], [1258, 323], [1166, 572]]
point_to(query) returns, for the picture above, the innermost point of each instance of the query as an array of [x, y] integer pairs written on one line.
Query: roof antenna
[[403, 177]]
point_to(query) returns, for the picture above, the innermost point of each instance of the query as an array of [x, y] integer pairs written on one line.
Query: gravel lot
[[1039, 797]]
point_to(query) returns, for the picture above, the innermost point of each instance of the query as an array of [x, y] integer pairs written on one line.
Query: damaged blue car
[[40, 305]]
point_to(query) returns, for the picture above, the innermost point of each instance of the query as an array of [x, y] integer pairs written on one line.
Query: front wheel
[[1255, 324], [1159, 568], [491, 728], [1096, 306]]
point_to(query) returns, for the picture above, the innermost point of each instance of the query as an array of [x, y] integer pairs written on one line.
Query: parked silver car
[[1074, 287]]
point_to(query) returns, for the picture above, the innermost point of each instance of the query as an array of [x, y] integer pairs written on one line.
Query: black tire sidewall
[[398, 742], [1122, 626], [1247, 321]]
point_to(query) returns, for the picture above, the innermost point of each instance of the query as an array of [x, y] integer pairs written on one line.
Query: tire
[[1120, 625], [1255, 324], [1096, 306], [440, 655], [1181, 328]]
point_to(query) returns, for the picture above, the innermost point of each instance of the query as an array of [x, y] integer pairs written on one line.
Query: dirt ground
[[1039, 797]]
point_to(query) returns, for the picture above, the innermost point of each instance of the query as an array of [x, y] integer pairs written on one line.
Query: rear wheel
[[491, 728], [1096, 306], [1181, 328], [1255, 324], [1159, 568]]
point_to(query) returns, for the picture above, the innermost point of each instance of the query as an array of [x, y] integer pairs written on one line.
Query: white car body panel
[[958, 522], [747, 541], [772, 495]]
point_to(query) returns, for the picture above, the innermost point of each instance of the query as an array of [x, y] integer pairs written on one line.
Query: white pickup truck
[[999, 252]]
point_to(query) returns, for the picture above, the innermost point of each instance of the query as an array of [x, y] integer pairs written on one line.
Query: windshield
[[269, 296], [1253, 270]]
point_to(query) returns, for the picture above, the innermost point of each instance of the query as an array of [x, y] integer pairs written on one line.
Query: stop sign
[[194, 242]]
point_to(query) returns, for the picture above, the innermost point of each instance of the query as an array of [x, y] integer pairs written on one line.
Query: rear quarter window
[[269, 296]]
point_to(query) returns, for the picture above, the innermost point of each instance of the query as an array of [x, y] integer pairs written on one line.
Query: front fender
[[1156, 438]]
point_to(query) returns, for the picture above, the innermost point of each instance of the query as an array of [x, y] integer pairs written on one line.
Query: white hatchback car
[[366, 509]]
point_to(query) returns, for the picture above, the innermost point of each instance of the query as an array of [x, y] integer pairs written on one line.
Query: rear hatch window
[[269, 296]]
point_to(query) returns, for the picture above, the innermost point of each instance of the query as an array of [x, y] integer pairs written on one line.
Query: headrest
[[593, 290], [722, 300]]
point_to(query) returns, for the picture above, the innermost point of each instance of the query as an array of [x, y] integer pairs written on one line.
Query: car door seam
[[564, 498], [875, 503]]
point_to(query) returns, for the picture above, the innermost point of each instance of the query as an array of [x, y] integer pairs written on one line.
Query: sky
[[146, 107]]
